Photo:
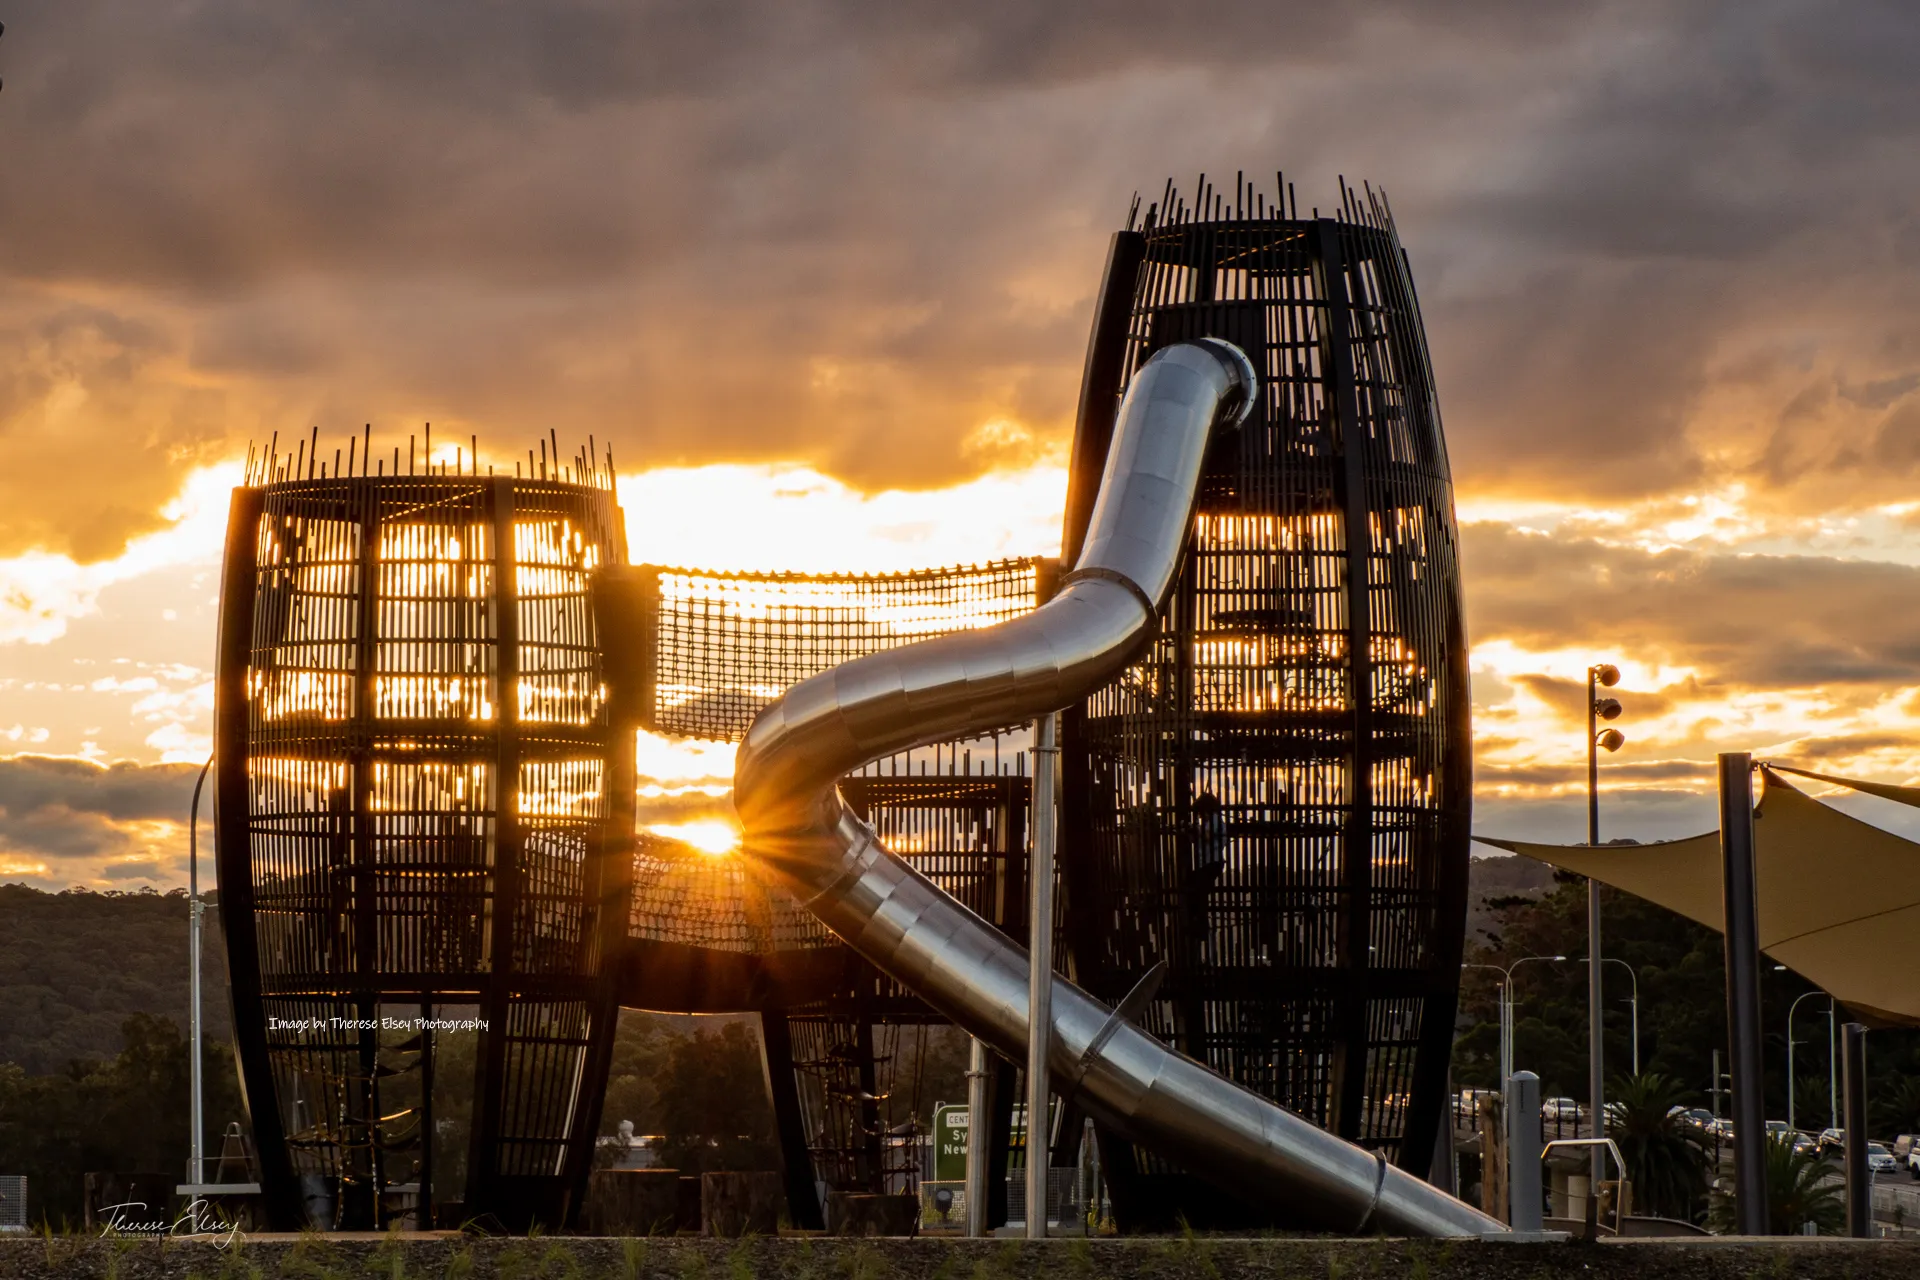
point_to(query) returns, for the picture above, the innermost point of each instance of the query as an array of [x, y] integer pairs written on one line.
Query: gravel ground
[[686, 1258]]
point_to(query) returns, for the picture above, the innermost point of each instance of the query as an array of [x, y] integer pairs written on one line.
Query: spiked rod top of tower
[[589, 466]]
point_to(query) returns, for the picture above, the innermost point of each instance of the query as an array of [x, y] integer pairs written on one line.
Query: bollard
[[1523, 1151]]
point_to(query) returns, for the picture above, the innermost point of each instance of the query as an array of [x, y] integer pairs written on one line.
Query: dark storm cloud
[[1631, 813], [1497, 776], [68, 809], [848, 234], [212, 143], [1848, 746], [1744, 621]]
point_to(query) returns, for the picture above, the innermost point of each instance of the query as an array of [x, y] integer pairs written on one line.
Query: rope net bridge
[[847, 1047]]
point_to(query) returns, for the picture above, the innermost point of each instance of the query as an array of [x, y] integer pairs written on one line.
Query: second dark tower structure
[[1275, 798], [422, 818]]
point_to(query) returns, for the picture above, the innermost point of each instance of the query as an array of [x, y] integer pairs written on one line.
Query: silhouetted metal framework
[[425, 768], [844, 1044], [1275, 797], [419, 786]]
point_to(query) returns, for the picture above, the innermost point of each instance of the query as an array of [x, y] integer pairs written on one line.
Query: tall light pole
[[1633, 1000], [1505, 1011], [196, 1161], [1046, 763], [1790, 1080], [1598, 709], [1833, 1067]]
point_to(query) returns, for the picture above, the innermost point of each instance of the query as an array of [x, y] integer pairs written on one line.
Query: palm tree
[[1812, 1103], [1800, 1189], [1899, 1109], [1666, 1158]]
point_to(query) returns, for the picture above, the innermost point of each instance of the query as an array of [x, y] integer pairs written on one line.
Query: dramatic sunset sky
[[822, 274]]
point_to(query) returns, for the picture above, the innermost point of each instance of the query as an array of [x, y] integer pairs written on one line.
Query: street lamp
[[1833, 1074], [1634, 1000], [1598, 709], [196, 1161], [1790, 1077], [1505, 1009]]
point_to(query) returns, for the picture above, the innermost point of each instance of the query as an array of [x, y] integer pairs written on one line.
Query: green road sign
[[950, 1138], [950, 1142]]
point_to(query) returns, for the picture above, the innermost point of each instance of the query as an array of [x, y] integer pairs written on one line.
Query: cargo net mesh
[[730, 643], [727, 644], [683, 895]]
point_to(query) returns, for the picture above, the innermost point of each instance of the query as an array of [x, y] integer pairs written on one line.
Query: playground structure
[[428, 688]]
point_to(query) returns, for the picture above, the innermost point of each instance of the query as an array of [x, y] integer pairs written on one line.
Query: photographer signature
[[198, 1219]]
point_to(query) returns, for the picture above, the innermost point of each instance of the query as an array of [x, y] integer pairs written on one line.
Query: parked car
[[1902, 1147], [1880, 1159], [1562, 1109], [1913, 1161], [1833, 1142], [1800, 1142], [1700, 1118]]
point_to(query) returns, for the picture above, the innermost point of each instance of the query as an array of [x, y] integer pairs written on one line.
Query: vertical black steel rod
[[1853, 1071], [1356, 852], [796, 1164], [423, 1199], [233, 860], [1743, 991], [485, 1191]]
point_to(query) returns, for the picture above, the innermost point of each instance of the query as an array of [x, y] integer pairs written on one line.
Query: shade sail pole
[[1743, 991]]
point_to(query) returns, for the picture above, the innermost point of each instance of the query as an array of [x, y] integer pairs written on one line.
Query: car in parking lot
[[1698, 1117], [1880, 1159], [1562, 1109], [1800, 1142], [1833, 1142]]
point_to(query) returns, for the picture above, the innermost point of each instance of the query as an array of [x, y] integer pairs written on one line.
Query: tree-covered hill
[[75, 966]]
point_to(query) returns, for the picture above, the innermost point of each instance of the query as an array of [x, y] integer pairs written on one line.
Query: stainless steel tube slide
[[798, 830]]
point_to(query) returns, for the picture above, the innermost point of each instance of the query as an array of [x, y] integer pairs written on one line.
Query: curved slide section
[[798, 829]]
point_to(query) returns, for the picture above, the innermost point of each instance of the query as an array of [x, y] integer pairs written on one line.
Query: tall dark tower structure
[[1275, 797], [423, 836]]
